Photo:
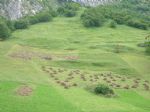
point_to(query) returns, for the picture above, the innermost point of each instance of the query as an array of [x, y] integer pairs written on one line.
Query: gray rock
[[14, 9], [94, 2]]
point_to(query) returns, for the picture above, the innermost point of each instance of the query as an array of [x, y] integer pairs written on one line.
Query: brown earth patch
[[24, 91], [28, 55], [71, 57]]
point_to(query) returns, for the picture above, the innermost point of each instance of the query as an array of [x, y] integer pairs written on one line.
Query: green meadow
[[65, 44]]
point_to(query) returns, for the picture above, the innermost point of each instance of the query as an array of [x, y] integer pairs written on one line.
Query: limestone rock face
[[94, 2], [14, 9]]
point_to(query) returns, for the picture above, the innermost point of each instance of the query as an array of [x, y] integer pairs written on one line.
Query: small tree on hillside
[[4, 31], [113, 24]]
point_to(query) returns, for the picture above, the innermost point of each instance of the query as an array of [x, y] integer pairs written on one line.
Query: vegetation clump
[[113, 24], [4, 31], [21, 24], [123, 12], [92, 18], [68, 9], [103, 90]]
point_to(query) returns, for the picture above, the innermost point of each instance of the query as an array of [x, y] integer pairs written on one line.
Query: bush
[[21, 24], [33, 20], [69, 9], [10, 25], [61, 10], [103, 89], [137, 24], [69, 13], [4, 31], [72, 6], [40, 17], [44, 17], [112, 24], [92, 18], [53, 13]]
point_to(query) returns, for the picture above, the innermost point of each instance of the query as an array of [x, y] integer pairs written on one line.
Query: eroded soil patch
[[28, 55], [24, 91]]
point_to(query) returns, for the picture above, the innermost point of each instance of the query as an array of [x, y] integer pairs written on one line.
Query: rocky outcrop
[[94, 2], [14, 9]]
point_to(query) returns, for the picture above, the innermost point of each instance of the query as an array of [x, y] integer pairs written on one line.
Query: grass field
[[65, 44]]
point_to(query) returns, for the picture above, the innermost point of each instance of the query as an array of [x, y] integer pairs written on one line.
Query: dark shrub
[[33, 20], [53, 13], [92, 18], [21, 24], [10, 25], [103, 89], [69, 13], [44, 17], [72, 6], [4, 31], [112, 24], [137, 24], [61, 10], [68, 9]]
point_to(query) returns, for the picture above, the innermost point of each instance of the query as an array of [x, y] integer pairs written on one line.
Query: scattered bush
[[53, 13], [21, 24], [69, 9], [69, 13], [7, 26], [4, 31], [10, 25], [33, 20], [112, 24], [137, 24], [72, 6], [129, 13], [92, 18], [103, 89], [61, 10], [44, 17]]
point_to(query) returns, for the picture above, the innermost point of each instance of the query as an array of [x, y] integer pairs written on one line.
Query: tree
[[4, 31], [112, 24], [92, 18]]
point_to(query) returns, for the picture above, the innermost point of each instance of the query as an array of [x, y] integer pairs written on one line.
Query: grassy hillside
[[65, 44]]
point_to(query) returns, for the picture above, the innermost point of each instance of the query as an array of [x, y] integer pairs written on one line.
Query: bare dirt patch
[[71, 57], [28, 55], [24, 91]]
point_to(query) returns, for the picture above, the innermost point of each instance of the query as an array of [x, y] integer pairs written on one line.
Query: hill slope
[[86, 50]]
